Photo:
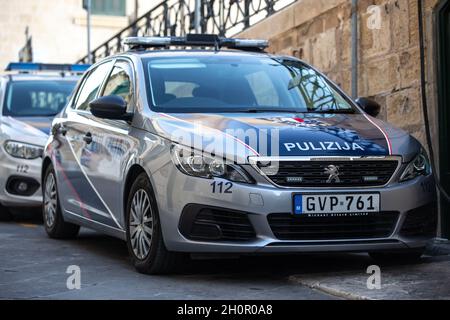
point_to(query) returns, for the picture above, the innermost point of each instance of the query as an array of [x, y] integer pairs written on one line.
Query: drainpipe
[[197, 18], [424, 97], [136, 9], [89, 8], [354, 49]]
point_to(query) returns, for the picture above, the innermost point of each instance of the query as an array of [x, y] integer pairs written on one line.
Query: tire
[[144, 236], [54, 223], [412, 255]]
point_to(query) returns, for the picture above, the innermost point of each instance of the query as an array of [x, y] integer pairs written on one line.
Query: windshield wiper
[[44, 115], [269, 110]]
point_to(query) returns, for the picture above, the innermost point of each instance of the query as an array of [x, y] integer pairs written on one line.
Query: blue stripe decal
[[299, 134]]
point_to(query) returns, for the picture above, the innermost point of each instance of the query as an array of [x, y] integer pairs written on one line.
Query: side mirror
[[371, 107], [110, 107]]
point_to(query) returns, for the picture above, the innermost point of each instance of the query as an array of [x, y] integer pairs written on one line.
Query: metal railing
[[180, 17]]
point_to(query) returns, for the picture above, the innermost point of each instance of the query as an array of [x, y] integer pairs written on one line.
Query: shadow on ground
[[248, 265], [37, 265]]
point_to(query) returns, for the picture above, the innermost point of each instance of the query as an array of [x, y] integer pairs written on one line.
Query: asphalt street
[[33, 266]]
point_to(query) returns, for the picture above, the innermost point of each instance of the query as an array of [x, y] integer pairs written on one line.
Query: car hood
[[33, 130], [285, 134]]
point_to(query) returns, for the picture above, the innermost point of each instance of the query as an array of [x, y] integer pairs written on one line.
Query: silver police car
[[30, 96], [203, 144]]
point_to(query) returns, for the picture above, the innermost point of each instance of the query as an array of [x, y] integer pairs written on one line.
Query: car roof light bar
[[33, 67], [196, 40]]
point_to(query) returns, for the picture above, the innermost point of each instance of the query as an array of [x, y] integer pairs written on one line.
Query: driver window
[[91, 86], [119, 84]]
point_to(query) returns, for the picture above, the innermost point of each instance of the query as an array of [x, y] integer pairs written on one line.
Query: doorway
[[443, 38]]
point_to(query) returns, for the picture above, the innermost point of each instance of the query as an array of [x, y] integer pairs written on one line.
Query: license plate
[[337, 203]]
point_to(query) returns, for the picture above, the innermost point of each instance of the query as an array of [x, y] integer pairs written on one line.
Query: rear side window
[[91, 85]]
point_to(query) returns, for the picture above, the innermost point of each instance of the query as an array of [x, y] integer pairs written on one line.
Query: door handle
[[88, 138]]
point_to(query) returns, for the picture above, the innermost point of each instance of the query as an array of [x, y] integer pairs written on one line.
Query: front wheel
[[144, 236], [54, 223]]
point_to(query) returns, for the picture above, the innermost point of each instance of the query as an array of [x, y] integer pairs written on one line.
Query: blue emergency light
[[30, 67]]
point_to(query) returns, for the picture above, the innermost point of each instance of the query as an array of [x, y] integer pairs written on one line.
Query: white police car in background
[[30, 96]]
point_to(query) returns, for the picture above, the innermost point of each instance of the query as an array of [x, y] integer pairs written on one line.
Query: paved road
[[34, 267]]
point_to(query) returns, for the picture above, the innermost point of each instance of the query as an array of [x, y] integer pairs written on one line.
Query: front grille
[[358, 226], [420, 222], [356, 173], [215, 224]]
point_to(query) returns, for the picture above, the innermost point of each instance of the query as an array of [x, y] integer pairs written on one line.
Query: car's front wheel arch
[[133, 173], [45, 164]]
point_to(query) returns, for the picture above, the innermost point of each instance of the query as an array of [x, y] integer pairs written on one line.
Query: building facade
[[58, 28]]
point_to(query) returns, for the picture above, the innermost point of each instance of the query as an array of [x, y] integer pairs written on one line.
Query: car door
[[79, 198], [104, 159]]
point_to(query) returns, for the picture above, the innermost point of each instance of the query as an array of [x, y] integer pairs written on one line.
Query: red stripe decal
[[383, 132], [72, 188]]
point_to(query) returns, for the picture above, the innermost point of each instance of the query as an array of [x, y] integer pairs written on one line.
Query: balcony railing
[[178, 17]]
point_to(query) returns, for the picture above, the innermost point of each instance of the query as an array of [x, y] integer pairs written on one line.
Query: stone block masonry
[[319, 32]]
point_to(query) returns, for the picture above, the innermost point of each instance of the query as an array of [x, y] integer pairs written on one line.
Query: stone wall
[[319, 32]]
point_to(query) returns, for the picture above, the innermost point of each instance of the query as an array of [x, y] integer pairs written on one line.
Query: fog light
[[22, 187]]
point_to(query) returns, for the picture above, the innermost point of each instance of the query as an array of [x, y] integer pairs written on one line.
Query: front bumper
[[15, 169], [175, 191]]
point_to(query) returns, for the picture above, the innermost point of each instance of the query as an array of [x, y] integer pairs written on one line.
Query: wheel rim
[[141, 224], [50, 200]]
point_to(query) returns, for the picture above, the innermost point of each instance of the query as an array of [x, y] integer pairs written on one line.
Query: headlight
[[420, 166], [196, 164], [23, 150]]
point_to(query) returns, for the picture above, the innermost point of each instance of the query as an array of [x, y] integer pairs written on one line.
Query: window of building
[[109, 7]]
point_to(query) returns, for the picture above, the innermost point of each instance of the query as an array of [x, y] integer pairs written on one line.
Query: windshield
[[211, 84], [36, 98]]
